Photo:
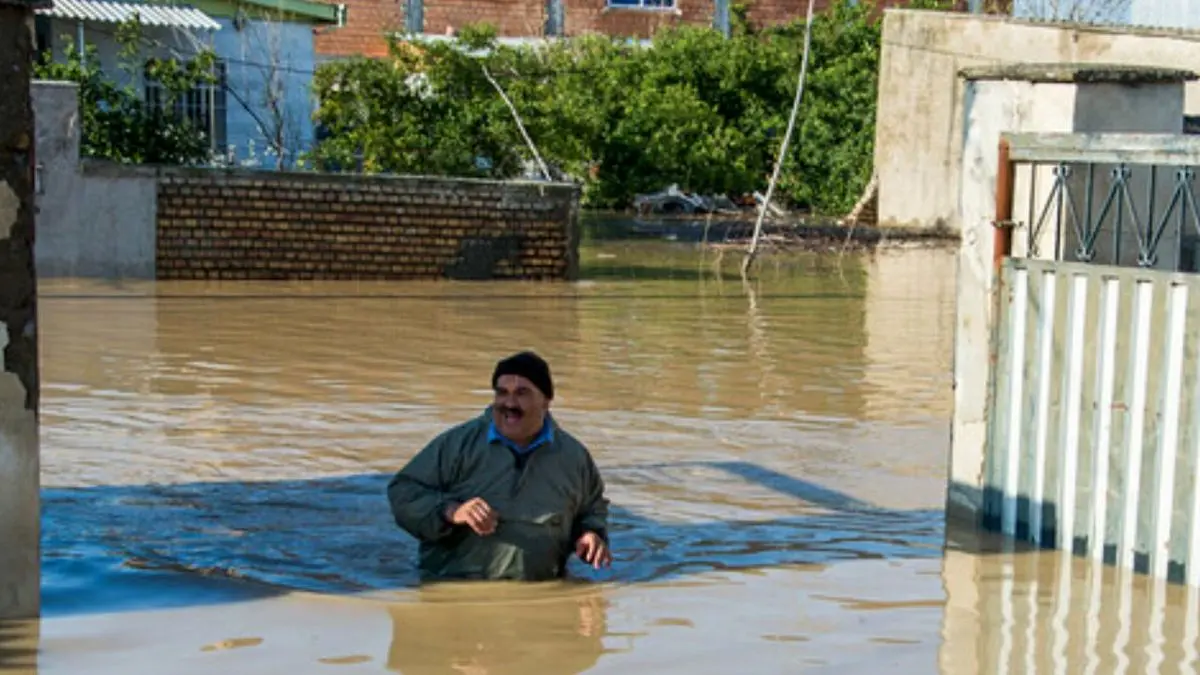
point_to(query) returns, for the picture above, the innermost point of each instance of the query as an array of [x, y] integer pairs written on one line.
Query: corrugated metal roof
[[107, 11]]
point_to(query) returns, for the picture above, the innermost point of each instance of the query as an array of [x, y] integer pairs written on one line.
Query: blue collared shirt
[[543, 437]]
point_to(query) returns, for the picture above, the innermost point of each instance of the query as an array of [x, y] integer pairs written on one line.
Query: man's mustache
[[505, 410]]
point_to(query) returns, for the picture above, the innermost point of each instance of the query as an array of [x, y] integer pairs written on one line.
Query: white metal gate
[[1093, 439]]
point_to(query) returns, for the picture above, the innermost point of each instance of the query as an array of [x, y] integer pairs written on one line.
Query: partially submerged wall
[[920, 129], [270, 225], [89, 225], [19, 480]]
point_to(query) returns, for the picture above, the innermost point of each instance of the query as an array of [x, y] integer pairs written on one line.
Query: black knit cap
[[529, 366]]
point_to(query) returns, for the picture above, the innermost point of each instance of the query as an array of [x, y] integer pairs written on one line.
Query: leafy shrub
[[693, 108]]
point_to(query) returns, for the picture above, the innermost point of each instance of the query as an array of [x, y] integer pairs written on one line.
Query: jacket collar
[[544, 437]]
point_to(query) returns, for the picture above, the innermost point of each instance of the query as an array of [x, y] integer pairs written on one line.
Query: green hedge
[[694, 108]]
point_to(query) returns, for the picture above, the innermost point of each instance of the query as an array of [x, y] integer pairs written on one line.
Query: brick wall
[[217, 224], [510, 17], [594, 16], [774, 12], [367, 20], [363, 35]]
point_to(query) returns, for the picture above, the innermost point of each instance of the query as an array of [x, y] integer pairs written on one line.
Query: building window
[[203, 105], [414, 16], [642, 4]]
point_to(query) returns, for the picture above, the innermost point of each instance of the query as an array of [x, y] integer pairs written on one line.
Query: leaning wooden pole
[[787, 138], [516, 116]]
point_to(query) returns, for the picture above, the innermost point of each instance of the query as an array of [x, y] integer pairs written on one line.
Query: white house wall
[[251, 55]]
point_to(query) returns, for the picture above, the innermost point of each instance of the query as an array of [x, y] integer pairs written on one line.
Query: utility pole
[[20, 571]]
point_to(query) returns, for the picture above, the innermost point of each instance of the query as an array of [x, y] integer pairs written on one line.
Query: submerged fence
[[1094, 439], [1094, 423]]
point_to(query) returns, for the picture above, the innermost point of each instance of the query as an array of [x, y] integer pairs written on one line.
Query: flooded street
[[214, 459]]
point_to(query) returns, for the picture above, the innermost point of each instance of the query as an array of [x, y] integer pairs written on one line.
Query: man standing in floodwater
[[507, 495]]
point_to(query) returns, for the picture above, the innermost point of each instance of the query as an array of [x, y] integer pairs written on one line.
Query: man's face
[[519, 409]]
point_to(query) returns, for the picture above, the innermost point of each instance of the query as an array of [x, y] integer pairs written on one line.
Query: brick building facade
[[368, 21]]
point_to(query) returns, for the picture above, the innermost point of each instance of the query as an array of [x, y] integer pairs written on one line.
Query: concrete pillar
[[19, 480], [1032, 98]]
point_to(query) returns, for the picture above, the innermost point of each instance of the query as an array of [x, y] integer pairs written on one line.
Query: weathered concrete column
[[1031, 98], [19, 480]]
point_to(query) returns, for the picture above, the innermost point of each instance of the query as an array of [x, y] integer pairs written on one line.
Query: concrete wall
[[19, 479], [919, 130], [59, 182], [91, 223]]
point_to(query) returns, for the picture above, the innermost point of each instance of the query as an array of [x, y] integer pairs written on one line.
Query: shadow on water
[[112, 548]]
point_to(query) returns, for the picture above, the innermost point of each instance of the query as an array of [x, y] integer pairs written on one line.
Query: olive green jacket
[[544, 501]]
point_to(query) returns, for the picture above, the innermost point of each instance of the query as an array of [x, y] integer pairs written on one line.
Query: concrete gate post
[[19, 479]]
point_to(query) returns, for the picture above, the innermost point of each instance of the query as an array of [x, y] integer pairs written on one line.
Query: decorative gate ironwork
[[1118, 199]]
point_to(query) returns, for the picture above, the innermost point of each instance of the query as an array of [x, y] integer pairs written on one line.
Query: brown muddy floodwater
[[215, 457]]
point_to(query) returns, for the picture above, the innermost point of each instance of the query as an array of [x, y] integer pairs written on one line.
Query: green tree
[[117, 124], [694, 108]]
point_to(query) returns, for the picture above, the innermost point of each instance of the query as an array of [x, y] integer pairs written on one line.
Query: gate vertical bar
[[1071, 401], [1139, 366], [1042, 404], [1192, 566], [1168, 435], [1018, 313], [1102, 448]]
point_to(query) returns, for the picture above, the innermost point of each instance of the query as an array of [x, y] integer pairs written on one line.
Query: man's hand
[[592, 550], [474, 513]]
